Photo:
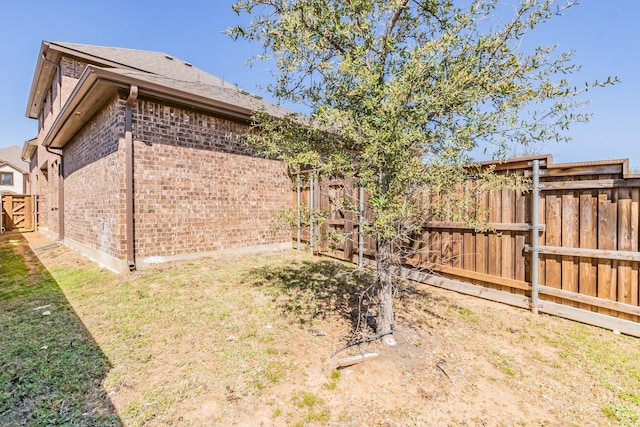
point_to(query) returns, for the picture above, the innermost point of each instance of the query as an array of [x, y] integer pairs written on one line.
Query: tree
[[401, 92]]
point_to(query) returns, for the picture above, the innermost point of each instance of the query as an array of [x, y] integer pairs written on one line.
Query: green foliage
[[401, 92]]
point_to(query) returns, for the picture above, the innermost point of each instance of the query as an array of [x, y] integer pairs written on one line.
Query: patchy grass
[[50, 368], [335, 376], [246, 340], [313, 407]]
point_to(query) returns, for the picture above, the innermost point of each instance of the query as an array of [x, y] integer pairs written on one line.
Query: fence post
[[361, 228], [311, 200], [535, 230], [35, 212], [298, 220]]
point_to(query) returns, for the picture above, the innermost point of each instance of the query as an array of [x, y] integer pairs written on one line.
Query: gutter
[[95, 76], [128, 153]]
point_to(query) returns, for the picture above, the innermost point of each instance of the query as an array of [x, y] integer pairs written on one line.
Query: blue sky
[[605, 36]]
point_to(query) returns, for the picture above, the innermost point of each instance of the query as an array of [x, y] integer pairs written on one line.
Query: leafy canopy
[[401, 91]]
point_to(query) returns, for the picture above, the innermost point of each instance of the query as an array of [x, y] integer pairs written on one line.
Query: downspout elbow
[[128, 137]]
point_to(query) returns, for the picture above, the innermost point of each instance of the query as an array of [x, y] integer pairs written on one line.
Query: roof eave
[[42, 79], [90, 58], [96, 87], [28, 149]]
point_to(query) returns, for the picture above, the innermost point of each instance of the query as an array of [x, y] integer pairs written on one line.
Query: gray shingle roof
[[143, 60], [230, 95], [167, 70], [12, 155]]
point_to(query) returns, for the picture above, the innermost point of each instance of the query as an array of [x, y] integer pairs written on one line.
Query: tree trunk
[[385, 321]]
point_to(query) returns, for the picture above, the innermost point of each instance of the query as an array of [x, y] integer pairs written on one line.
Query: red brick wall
[[45, 185], [71, 67], [71, 70], [93, 183], [196, 187]]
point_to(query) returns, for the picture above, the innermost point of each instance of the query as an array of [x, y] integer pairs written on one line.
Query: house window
[[6, 178]]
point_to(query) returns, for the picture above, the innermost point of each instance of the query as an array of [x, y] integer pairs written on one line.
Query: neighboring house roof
[[29, 148], [12, 156], [156, 75]]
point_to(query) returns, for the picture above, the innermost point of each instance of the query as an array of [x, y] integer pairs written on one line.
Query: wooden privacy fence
[[568, 247], [18, 212]]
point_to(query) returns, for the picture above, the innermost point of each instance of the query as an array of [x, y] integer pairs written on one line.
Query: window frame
[[2, 178]]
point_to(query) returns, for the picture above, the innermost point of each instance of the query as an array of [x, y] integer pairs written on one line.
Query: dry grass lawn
[[246, 340]]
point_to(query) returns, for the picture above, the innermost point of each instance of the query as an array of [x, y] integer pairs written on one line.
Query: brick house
[[140, 158], [14, 175]]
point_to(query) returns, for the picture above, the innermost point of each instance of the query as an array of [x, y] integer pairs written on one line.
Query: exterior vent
[[169, 57], [188, 64]]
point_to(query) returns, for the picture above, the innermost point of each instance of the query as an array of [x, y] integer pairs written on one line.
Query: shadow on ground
[[315, 290], [51, 369]]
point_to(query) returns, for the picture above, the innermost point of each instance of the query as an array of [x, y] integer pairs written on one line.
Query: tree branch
[[390, 26], [394, 19]]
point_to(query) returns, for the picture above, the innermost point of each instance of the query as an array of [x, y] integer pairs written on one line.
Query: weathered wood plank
[[635, 220], [625, 326], [630, 256], [446, 252], [624, 244], [465, 288], [520, 239], [594, 184], [542, 238], [607, 225], [588, 240], [457, 252], [575, 170], [497, 226], [495, 243], [593, 301], [350, 195], [482, 240], [424, 251], [508, 238], [570, 239], [353, 360], [482, 277], [553, 224], [469, 240]]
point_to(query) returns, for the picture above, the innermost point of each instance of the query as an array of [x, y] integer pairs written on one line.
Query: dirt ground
[[460, 361]]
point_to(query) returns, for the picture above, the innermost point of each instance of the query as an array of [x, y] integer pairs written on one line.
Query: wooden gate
[[18, 212]]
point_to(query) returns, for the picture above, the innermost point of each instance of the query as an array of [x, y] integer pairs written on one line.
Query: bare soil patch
[[246, 340]]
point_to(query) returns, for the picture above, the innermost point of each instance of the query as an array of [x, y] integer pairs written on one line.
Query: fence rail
[[572, 241]]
